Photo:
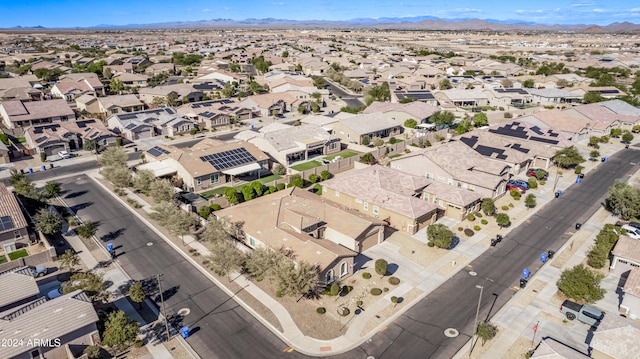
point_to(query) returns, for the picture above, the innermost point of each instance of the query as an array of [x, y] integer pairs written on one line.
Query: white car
[[64, 154], [631, 231]]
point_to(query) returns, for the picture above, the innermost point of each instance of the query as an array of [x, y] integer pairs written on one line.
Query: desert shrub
[[138, 343], [216, 207], [344, 311], [542, 183], [394, 280], [366, 275], [280, 186], [578, 169], [508, 115], [471, 217], [334, 289], [477, 228], [484, 221], [533, 182], [272, 189], [279, 294], [460, 229], [376, 291], [510, 205], [321, 310], [515, 194], [468, 232], [431, 244], [479, 215], [385, 289], [359, 303], [313, 178]]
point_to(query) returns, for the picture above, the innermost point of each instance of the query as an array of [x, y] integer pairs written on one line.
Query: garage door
[[540, 163], [53, 150]]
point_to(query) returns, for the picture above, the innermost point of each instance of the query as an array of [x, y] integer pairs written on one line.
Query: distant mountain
[[416, 22]]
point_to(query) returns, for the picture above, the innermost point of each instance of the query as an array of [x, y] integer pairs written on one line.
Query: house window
[[450, 182], [252, 241], [472, 187], [343, 269], [348, 135], [329, 277], [214, 178], [35, 354], [115, 110], [358, 200], [366, 206], [376, 210], [16, 234], [426, 197], [337, 194], [199, 181], [440, 203], [429, 176]]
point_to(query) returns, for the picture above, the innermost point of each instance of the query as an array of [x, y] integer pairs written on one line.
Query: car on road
[[511, 186], [584, 313], [519, 183], [533, 172], [64, 154], [630, 231]]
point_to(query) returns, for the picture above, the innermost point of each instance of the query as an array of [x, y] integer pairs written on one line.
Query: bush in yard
[[325, 175], [598, 255], [334, 290], [533, 182], [376, 291], [431, 244], [366, 275], [439, 235], [359, 303], [471, 217], [297, 181], [394, 280], [381, 266], [313, 178], [479, 215], [279, 170], [204, 212], [279, 294], [488, 206], [486, 331], [578, 169], [530, 200], [510, 205], [272, 189], [231, 195], [581, 284], [476, 228], [502, 219], [43, 156], [321, 310], [468, 232], [505, 208], [280, 186], [215, 207], [515, 194], [484, 221]]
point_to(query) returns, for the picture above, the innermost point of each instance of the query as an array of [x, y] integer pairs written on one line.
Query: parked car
[[533, 172], [55, 293], [64, 154], [630, 231], [39, 271], [519, 183], [584, 313], [511, 186], [635, 224]]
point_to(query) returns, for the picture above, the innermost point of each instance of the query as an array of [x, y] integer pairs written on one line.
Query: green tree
[[116, 86], [378, 142], [368, 158], [262, 262], [528, 84], [69, 259], [325, 175], [442, 118], [137, 293], [279, 170], [488, 207], [594, 154], [214, 231], [182, 223], [627, 137], [502, 219], [258, 188], [51, 189], [530, 200], [624, 199], [162, 191], [231, 195], [480, 119], [581, 284], [410, 123], [143, 180], [21, 183], [225, 258], [247, 192], [366, 140], [90, 282], [93, 352], [445, 84], [568, 157], [296, 279], [377, 93], [440, 235], [515, 194], [592, 97], [86, 230], [120, 330], [120, 176], [47, 221], [486, 331], [381, 267], [113, 157]]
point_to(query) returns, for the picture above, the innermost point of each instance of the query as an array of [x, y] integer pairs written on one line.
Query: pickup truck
[[584, 313]]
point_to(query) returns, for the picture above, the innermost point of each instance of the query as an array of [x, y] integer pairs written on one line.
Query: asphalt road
[[419, 332], [220, 328], [351, 100]]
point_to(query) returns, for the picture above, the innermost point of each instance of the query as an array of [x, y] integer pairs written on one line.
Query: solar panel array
[[131, 125], [6, 223], [127, 116], [41, 139], [228, 159], [157, 151]]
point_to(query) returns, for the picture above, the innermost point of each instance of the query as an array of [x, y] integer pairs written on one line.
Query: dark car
[[635, 224], [533, 172], [519, 183], [517, 188]]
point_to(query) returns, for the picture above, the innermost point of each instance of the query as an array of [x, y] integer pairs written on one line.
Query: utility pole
[[164, 310], [475, 322]]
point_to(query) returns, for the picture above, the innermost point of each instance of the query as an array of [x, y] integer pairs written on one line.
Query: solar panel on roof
[[537, 130], [157, 151], [518, 132], [41, 139], [130, 126], [609, 91], [6, 223], [543, 140], [227, 159], [94, 135]]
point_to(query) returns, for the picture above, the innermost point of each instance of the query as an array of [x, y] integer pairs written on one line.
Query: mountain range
[[403, 23]]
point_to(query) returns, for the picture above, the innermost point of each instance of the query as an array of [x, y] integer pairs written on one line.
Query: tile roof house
[[209, 163], [114, 104], [290, 144], [18, 114], [550, 348], [132, 79], [17, 286], [616, 338], [464, 97], [387, 194], [13, 225], [419, 111], [315, 230], [532, 132], [457, 165], [68, 136], [137, 125], [626, 255], [269, 104], [70, 90], [57, 323], [214, 113], [552, 96], [601, 119], [353, 128], [630, 305], [572, 127], [180, 91]]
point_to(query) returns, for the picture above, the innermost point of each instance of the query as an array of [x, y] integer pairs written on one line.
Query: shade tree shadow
[[112, 235], [76, 208], [75, 194]]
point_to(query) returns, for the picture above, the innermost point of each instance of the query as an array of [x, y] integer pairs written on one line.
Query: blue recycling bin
[[30, 170], [526, 273], [543, 257], [110, 247], [185, 331], [578, 179], [43, 167], [605, 159]]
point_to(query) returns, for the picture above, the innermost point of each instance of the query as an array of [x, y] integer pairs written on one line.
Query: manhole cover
[[473, 274], [149, 244], [451, 333], [371, 357], [184, 312]]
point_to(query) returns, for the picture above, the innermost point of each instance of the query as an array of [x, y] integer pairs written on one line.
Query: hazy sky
[[72, 13]]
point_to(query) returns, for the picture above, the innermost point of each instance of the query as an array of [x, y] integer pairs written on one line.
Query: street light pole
[[475, 322], [164, 310]]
